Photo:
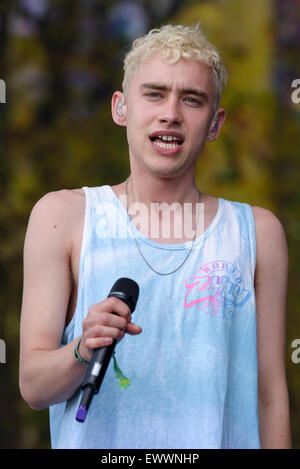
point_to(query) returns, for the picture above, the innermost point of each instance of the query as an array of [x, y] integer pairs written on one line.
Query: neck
[[150, 189], [161, 212]]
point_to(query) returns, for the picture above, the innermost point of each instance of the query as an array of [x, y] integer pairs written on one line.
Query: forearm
[[274, 422], [50, 376]]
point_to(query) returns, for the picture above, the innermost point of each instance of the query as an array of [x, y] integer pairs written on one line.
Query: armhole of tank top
[[252, 240], [84, 242]]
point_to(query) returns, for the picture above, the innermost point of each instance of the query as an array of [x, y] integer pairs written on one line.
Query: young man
[[206, 361]]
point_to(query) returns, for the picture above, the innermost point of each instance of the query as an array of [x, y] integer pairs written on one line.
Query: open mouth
[[167, 142]]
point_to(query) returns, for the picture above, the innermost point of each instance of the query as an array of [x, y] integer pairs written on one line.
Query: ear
[[118, 108], [216, 125]]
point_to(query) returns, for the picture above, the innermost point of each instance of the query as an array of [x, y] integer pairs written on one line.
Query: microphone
[[128, 291]]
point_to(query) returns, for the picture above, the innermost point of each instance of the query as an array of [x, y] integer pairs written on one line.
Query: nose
[[170, 112]]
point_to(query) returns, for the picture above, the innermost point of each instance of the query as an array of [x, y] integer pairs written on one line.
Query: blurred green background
[[61, 62]]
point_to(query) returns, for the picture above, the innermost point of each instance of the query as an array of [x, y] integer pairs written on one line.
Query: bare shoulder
[[58, 211], [267, 223], [63, 205], [271, 239], [59, 201]]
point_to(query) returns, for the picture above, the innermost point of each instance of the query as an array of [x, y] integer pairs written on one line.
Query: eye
[[153, 95], [193, 101]]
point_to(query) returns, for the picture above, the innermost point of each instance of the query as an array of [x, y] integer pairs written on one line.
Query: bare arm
[[49, 373], [271, 288]]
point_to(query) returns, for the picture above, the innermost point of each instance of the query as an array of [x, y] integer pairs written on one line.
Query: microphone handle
[[93, 378], [97, 367], [126, 290]]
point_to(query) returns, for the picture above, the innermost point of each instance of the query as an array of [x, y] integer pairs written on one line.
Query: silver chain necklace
[[139, 249]]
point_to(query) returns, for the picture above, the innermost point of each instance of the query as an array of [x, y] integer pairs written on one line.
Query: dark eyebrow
[[194, 91]]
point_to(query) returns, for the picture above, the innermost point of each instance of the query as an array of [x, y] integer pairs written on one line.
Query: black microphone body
[[128, 291]]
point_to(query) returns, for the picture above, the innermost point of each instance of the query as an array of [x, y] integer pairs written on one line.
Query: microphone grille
[[127, 290]]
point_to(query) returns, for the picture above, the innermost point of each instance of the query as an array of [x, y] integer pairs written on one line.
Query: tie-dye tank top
[[193, 369]]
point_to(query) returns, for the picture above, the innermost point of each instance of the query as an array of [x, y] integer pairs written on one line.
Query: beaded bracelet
[[77, 354]]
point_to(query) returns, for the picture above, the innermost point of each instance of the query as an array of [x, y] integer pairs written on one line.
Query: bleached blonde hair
[[173, 42]]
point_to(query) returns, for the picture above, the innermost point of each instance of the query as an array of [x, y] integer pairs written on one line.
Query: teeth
[[168, 146], [168, 138]]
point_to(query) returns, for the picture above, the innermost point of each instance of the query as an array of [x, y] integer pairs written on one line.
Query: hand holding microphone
[[104, 326]]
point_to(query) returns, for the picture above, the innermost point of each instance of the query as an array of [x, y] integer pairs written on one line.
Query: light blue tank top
[[193, 369]]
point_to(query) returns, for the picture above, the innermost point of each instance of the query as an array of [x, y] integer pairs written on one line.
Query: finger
[[105, 331], [133, 329], [97, 342], [113, 320], [115, 305], [87, 347]]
